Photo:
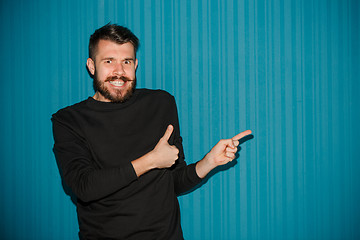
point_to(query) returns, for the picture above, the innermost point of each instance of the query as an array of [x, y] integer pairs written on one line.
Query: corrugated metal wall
[[288, 70]]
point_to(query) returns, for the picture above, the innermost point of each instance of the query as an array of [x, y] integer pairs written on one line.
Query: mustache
[[112, 78]]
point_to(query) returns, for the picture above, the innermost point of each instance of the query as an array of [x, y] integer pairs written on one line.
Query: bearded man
[[120, 151]]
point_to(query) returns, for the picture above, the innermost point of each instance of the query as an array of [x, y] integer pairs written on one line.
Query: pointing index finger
[[241, 135]]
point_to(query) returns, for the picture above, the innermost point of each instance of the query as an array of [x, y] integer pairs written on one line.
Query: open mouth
[[117, 83]]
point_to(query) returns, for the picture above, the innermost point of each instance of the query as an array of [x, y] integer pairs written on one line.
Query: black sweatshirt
[[95, 143]]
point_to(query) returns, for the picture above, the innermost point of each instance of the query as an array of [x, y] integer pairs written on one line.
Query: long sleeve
[[185, 176], [78, 170]]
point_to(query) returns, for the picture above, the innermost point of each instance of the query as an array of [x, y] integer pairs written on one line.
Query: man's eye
[[108, 61], [127, 61]]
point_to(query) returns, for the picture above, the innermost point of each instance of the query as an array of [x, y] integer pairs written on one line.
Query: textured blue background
[[288, 70]]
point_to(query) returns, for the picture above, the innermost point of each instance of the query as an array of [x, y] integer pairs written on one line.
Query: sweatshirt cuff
[[193, 175], [130, 172]]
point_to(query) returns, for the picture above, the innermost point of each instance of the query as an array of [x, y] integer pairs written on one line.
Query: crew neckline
[[106, 106]]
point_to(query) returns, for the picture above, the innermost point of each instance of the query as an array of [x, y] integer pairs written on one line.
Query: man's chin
[[121, 98]]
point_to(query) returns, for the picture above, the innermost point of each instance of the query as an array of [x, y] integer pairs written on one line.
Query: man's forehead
[[105, 47]]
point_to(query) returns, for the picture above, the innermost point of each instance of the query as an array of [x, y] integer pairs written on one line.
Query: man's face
[[114, 71]]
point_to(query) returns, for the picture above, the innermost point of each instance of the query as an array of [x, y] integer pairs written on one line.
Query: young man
[[120, 151]]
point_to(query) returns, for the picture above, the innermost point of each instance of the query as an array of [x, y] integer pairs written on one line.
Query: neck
[[97, 96]]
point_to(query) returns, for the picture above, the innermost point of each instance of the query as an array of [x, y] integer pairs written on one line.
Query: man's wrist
[[204, 166], [143, 164]]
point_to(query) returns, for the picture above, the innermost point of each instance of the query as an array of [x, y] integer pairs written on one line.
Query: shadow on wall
[[223, 167]]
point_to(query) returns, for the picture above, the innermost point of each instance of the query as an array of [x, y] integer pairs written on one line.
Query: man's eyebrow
[[112, 58], [107, 58], [129, 58]]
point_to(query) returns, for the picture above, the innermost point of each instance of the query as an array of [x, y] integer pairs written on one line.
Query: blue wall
[[288, 70]]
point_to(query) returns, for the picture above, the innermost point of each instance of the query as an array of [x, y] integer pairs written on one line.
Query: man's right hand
[[163, 155]]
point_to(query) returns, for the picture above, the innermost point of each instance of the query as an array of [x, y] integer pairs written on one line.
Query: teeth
[[117, 83]]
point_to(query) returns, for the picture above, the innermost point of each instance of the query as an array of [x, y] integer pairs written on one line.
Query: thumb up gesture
[[164, 154]]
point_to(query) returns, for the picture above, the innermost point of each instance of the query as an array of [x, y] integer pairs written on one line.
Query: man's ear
[[91, 66], [136, 63]]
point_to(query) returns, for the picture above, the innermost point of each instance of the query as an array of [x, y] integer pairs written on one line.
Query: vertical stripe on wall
[[288, 70]]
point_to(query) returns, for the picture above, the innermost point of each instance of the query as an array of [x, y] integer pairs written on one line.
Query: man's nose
[[119, 69]]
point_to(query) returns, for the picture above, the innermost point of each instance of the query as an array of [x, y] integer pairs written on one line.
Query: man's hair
[[112, 32]]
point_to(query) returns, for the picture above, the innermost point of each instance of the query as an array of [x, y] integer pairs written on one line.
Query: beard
[[118, 96]]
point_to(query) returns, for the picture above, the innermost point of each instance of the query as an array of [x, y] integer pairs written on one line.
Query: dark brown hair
[[112, 32]]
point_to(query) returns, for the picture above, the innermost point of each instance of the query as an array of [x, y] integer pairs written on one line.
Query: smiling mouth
[[117, 83]]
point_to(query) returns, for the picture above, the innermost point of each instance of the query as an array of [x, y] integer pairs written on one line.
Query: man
[[120, 151]]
